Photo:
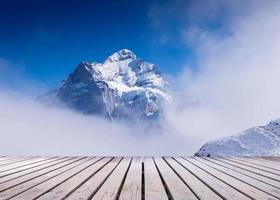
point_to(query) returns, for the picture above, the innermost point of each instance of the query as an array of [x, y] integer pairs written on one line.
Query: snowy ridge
[[123, 86], [256, 141]]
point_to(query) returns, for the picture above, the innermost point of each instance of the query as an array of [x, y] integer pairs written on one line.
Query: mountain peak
[[123, 87], [121, 55], [256, 141]]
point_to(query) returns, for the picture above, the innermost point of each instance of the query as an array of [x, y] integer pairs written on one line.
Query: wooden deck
[[137, 178]]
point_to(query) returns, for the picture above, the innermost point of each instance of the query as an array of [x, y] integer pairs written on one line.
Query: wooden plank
[[26, 162], [41, 178], [199, 188], [111, 188], [271, 159], [132, 186], [263, 163], [251, 169], [19, 172], [67, 188], [274, 164], [245, 172], [91, 186], [257, 163], [13, 161], [10, 158], [16, 158], [4, 158], [272, 171], [81, 178], [220, 187], [7, 185], [7, 171], [154, 189], [176, 187], [237, 184], [19, 165], [48, 189], [246, 179]]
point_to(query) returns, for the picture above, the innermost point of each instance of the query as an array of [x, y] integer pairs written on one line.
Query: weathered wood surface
[[139, 178]]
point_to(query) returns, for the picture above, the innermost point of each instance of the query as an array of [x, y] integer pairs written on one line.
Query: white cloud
[[237, 82], [235, 87], [29, 128]]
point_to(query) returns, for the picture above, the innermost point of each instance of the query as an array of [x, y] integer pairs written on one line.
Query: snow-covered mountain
[[122, 87], [256, 141]]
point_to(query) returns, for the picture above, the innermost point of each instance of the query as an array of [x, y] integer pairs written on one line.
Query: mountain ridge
[[256, 141], [122, 87]]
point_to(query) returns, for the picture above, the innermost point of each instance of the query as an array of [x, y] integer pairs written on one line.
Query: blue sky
[[233, 46], [48, 38]]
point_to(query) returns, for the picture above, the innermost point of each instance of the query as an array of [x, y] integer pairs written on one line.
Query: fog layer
[[234, 86]]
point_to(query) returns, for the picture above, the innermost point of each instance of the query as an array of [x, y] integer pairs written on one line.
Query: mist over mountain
[[122, 87], [125, 87]]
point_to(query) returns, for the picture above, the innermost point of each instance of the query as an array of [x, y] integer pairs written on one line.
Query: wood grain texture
[[132, 186], [198, 187], [234, 182], [154, 188], [139, 178], [176, 187], [113, 184], [92, 185]]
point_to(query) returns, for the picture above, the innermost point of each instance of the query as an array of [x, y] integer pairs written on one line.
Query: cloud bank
[[233, 87], [30, 128]]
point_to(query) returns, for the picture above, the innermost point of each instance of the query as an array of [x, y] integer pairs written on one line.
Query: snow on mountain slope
[[256, 141], [124, 86]]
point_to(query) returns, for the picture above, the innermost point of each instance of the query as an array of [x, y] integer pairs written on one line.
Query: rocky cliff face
[[122, 87]]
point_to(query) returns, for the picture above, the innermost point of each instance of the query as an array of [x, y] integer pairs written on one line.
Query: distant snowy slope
[[256, 141], [122, 87]]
